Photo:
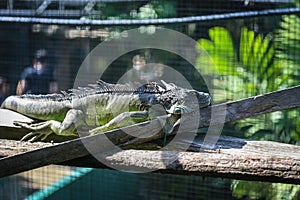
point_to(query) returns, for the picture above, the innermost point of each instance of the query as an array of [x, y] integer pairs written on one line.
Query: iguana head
[[178, 100]]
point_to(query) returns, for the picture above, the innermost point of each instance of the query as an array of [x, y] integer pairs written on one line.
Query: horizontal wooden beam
[[237, 159]]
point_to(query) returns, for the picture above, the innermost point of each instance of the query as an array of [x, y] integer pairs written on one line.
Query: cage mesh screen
[[254, 51]]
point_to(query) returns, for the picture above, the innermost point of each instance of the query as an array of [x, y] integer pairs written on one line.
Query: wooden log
[[14, 147], [238, 159], [252, 106]]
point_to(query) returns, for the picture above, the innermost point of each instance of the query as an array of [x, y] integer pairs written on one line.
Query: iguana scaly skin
[[104, 106]]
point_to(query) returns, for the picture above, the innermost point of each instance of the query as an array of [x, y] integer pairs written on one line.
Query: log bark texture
[[238, 159]]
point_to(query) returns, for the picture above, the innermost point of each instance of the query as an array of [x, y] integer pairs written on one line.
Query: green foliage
[[151, 10], [258, 190], [165, 8], [287, 41], [247, 70], [221, 50], [258, 65], [244, 69], [297, 2], [138, 10]]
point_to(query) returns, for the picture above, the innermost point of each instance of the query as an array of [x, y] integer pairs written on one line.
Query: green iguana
[[104, 106]]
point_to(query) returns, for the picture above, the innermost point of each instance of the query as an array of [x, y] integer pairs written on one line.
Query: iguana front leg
[[168, 122], [121, 120], [42, 130]]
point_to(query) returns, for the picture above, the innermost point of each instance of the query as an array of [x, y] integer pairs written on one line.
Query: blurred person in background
[[135, 74], [38, 78], [4, 88], [143, 72]]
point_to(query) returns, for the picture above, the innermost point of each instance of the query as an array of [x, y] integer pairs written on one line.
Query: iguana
[[104, 106]]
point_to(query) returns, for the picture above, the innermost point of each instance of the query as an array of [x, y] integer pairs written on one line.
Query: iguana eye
[[178, 110]]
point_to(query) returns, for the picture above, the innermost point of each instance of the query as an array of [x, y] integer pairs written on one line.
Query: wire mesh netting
[[57, 182], [254, 45]]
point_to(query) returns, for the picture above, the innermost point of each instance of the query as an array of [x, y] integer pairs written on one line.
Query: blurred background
[[254, 51]]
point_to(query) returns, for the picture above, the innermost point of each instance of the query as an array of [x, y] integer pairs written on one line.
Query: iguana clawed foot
[[39, 131]]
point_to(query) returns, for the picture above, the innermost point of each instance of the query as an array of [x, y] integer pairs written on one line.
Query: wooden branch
[[252, 106], [239, 161], [249, 163]]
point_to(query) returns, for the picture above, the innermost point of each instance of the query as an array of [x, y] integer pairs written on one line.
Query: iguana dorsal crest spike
[[169, 86]]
